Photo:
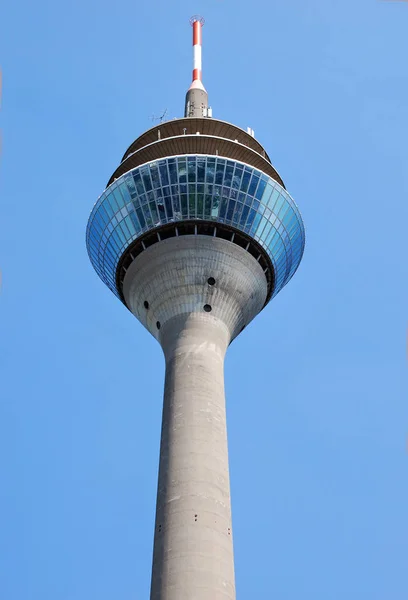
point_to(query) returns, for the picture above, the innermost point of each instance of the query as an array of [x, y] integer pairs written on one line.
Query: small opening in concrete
[[207, 307], [211, 281], [146, 304], [158, 324], [195, 517]]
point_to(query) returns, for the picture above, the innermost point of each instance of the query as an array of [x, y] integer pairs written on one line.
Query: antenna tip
[[196, 18]]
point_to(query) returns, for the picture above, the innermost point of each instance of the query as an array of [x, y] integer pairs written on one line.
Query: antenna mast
[[197, 97]]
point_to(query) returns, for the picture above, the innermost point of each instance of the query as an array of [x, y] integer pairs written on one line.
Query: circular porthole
[[146, 304], [211, 281], [207, 308]]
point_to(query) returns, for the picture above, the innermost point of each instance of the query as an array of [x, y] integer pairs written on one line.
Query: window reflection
[[195, 187]]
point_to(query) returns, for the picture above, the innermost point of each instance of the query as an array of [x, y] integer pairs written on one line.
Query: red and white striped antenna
[[197, 24], [197, 98]]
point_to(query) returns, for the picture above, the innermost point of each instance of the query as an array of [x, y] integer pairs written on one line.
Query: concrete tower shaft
[[194, 294]]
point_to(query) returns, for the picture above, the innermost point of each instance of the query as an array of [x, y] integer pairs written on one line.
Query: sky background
[[316, 385]]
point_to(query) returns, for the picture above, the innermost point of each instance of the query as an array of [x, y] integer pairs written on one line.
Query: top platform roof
[[196, 136], [190, 125]]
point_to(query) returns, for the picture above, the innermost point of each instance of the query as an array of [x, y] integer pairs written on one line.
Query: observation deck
[[195, 176]]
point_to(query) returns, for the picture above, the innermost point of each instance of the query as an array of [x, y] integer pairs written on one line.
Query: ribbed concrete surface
[[172, 277], [193, 550]]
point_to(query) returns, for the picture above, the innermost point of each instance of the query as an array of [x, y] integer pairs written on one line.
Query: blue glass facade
[[195, 187]]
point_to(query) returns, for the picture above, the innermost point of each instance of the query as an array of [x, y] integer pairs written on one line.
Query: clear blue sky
[[316, 386]]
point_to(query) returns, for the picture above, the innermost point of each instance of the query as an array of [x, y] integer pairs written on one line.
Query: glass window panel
[[125, 192], [145, 173], [272, 200], [246, 179], [163, 173], [130, 184], [154, 173], [255, 223], [161, 210], [140, 216], [138, 182], [236, 180], [184, 206], [98, 224], [226, 192], [129, 225], [251, 216], [267, 193], [238, 212], [169, 208], [112, 245], [266, 231], [200, 169], [135, 222], [111, 199], [103, 214], [261, 189], [191, 162], [278, 204], [173, 171], [244, 216], [125, 229], [108, 209], [176, 205], [223, 208], [147, 215], [136, 203], [219, 171], [95, 237], [210, 172], [200, 205], [230, 211], [182, 170], [192, 199], [267, 212], [154, 213], [283, 211], [228, 174], [121, 235], [119, 198], [207, 205], [261, 227], [253, 184], [215, 205]]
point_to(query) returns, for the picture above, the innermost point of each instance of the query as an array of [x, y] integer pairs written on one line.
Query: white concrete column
[[193, 551]]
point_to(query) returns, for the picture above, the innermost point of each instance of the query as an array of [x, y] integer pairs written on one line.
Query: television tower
[[195, 233]]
